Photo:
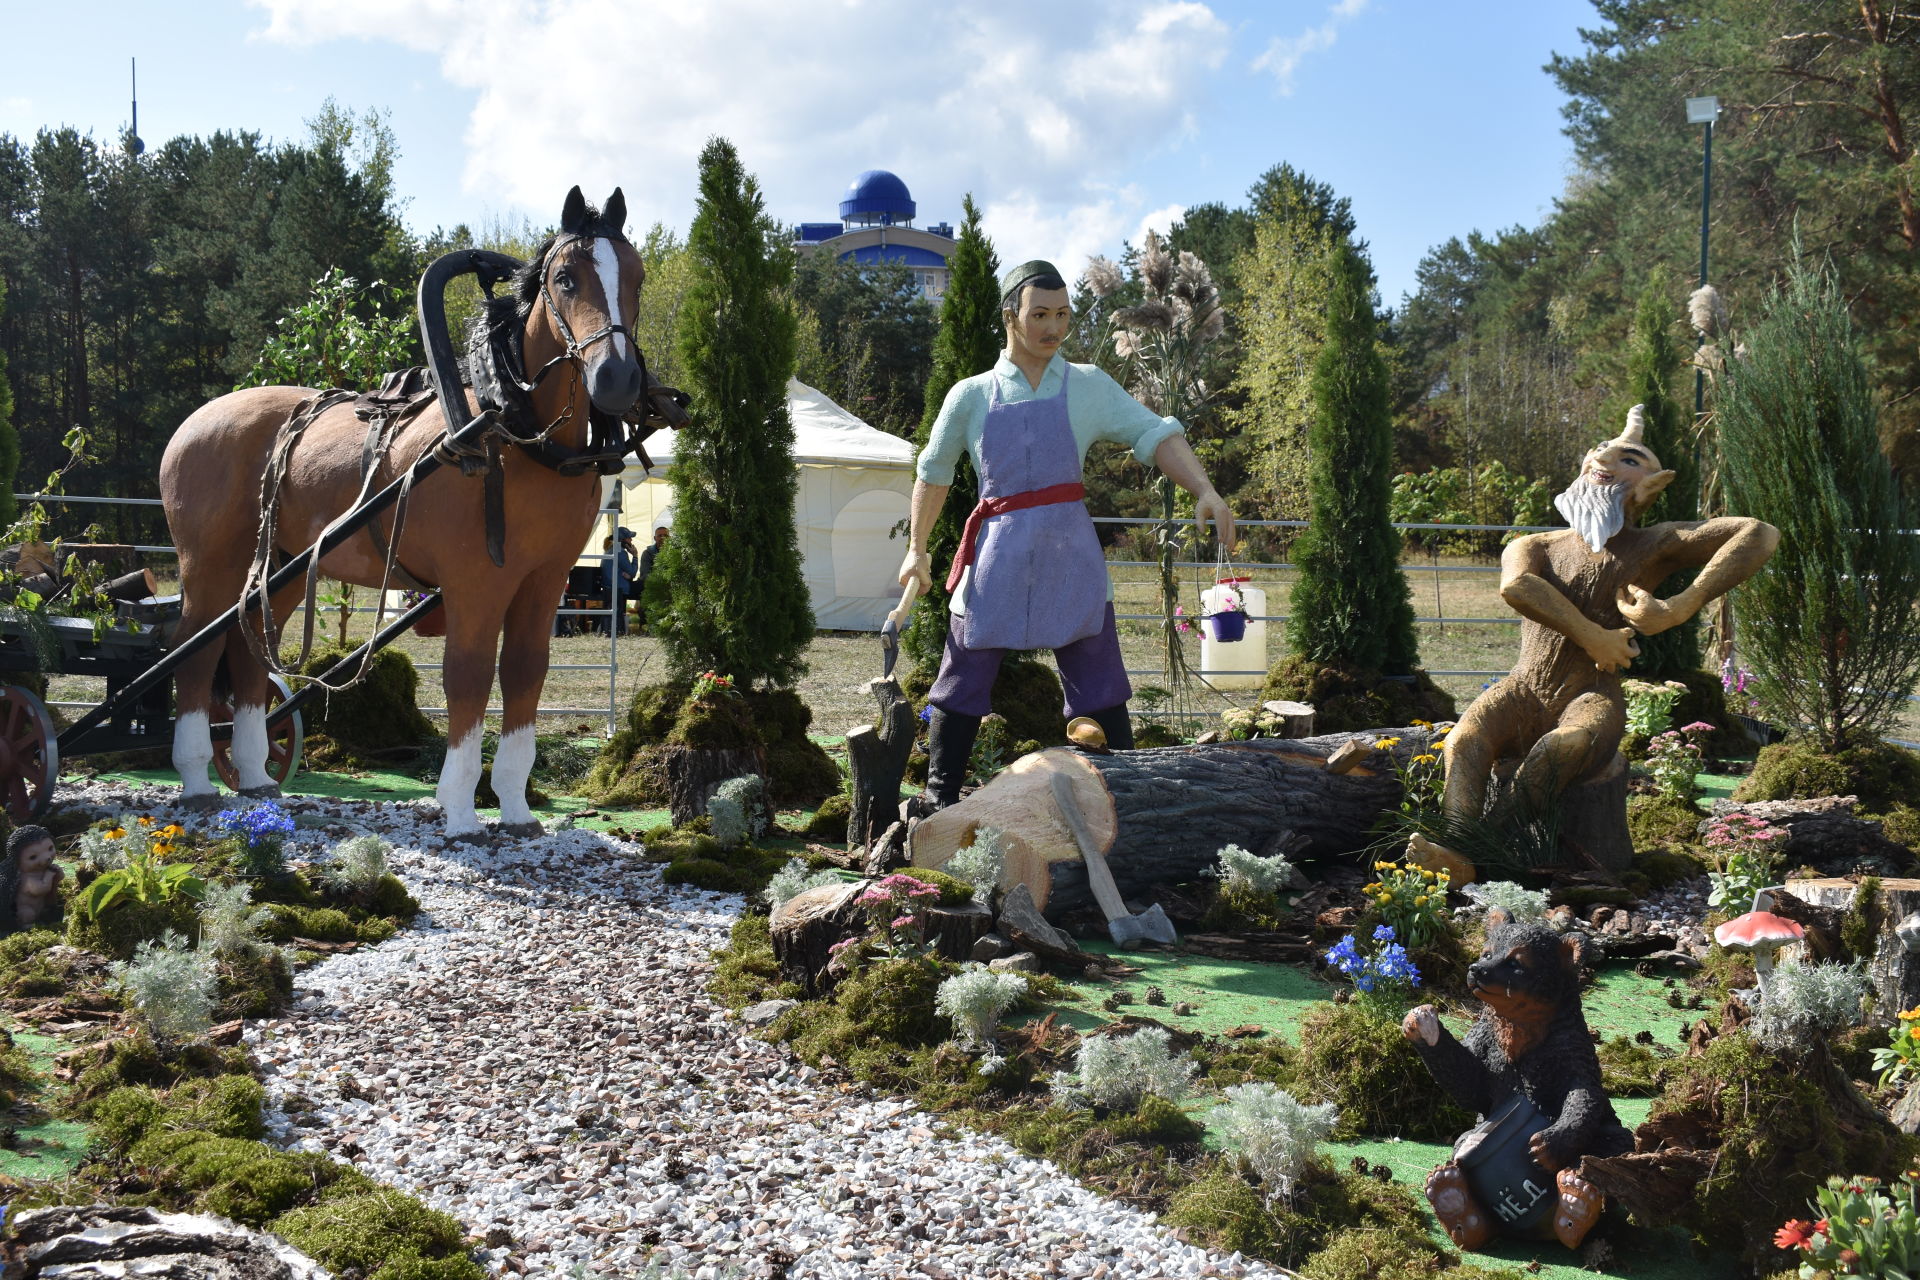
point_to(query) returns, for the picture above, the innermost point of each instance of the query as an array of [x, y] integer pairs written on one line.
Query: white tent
[[851, 508]]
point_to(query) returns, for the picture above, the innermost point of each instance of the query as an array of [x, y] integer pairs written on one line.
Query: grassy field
[[1473, 646]]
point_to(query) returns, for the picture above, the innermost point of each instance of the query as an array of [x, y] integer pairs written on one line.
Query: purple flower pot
[[1227, 627]]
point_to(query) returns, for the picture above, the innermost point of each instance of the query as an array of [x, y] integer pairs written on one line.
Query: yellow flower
[[172, 829], [1429, 874], [162, 849], [1423, 724], [1420, 901], [146, 821], [1442, 732], [117, 833], [1426, 757], [1910, 1014], [1385, 898], [1385, 744], [1382, 866]]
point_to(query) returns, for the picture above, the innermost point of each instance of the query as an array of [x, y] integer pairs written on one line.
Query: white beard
[[1595, 511]]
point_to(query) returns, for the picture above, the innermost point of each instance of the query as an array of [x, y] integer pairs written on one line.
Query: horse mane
[[495, 364]]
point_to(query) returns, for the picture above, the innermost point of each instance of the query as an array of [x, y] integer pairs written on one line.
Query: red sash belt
[[1052, 495]]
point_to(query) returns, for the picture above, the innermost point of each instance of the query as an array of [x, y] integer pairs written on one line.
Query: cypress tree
[[1828, 623], [969, 342], [1653, 360], [1351, 604], [732, 599], [9, 438]]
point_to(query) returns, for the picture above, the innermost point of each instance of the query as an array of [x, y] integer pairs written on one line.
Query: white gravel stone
[[539, 1054]]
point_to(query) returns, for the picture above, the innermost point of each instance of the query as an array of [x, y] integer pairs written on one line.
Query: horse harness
[[500, 384]]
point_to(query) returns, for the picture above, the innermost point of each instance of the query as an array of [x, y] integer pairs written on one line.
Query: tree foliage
[[968, 343], [867, 337], [1830, 622], [732, 597], [1351, 603], [341, 336], [9, 438]]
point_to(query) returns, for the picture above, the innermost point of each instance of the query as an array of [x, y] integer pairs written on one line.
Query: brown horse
[[584, 281]]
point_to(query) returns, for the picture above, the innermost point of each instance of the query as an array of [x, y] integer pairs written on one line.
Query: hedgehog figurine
[[1527, 1063]]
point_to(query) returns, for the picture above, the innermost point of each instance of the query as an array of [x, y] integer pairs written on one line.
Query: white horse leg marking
[[459, 776], [192, 753], [606, 264], [512, 762], [250, 747]]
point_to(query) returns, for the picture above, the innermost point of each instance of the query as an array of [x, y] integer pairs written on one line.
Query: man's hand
[[1650, 615], [1421, 1025], [917, 567], [1611, 648], [1210, 506]]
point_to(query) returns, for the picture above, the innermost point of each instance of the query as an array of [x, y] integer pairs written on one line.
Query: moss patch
[[1662, 823], [1231, 1214], [1881, 774], [380, 1234], [253, 984], [1629, 1069], [128, 923], [954, 891], [1345, 698], [372, 722], [828, 825], [1354, 1056]]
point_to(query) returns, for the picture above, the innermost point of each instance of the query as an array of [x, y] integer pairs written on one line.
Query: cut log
[[1593, 816], [695, 773], [1296, 718], [877, 754], [1163, 815], [805, 927], [1894, 969], [138, 585]]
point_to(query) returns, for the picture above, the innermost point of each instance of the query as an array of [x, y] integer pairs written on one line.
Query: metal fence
[[1196, 573]]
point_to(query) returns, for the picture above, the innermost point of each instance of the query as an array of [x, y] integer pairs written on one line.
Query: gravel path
[[538, 1056]]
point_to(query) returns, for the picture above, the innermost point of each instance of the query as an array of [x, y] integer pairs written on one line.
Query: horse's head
[[590, 279]]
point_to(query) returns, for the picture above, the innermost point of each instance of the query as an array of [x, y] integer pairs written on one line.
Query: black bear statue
[[1528, 1067]]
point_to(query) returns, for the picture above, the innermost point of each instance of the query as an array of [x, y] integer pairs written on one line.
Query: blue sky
[[1074, 124]]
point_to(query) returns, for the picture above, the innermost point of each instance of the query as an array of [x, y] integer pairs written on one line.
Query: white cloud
[[1040, 109], [1159, 220], [1284, 54]]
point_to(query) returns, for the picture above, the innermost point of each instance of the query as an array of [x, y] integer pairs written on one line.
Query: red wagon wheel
[[283, 744], [29, 754]]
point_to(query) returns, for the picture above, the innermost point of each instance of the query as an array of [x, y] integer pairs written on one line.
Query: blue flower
[[1345, 958], [926, 714], [1383, 933], [258, 824]]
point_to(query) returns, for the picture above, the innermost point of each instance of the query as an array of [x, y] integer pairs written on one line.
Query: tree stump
[[695, 773], [1163, 815], [1296, 718], [1592, 813], [806, 926], [1894, 969], [878, 755]]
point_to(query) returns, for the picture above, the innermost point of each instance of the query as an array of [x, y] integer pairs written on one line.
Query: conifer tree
[[9, 438], [1829, 623], [732, 599], [1653, 360], [969, 343], [1351, 604]]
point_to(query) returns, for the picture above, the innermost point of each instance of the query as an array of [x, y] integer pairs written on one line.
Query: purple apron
[[1038, 579]]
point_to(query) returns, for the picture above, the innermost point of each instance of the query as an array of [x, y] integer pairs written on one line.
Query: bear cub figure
[[1531, 1039]]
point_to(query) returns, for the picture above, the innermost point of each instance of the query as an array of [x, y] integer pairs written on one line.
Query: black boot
[[949, 749], [1117, 725]]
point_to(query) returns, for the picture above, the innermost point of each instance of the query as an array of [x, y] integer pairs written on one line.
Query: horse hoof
[[523, 830], [204, 802], [267, 791]]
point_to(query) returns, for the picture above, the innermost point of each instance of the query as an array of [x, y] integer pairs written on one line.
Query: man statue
[[1029, 572], [1582, 594]]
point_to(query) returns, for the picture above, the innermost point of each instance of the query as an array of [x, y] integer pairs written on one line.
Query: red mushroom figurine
[[1761, 933]]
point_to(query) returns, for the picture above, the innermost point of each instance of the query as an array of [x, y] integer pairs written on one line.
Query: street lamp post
[[1703, 111]]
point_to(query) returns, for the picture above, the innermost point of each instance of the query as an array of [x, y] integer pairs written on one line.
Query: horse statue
[[260, 474]]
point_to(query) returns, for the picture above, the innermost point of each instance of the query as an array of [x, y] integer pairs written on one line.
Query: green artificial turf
[[43, 1148]]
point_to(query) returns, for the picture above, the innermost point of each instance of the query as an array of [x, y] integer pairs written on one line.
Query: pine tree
[[1653, 360], [1828, 623], [9, 438], [969, 343], [1351, 604], [732, 599]]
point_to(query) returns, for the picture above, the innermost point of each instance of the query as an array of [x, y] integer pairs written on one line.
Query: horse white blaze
[[606, 264], [192, 753], [458, 778], [250, 747], [512, 762]]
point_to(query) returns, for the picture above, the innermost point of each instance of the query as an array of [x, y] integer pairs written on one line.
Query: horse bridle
[[577, 346]]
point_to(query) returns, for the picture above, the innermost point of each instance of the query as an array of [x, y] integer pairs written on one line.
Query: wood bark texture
[[695, 773], [878, 755], [1163, 815], [1593, 816]]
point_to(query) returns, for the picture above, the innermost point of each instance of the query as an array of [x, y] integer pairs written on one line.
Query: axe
[[890, 629]]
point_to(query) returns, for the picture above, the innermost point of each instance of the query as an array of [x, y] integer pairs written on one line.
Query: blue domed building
[[876, 225]]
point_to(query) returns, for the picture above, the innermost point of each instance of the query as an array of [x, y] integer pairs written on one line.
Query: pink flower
[[841, 945], [875, 894], [901, 922], [1698, 726]]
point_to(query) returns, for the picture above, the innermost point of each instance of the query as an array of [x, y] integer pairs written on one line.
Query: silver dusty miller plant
[[229, 922], [1273, 1131], [1117, 1072], [980, 863], [1248, 872], [356, 865], [171, 985], [737, 811], [793, 880], [974, 1000], [1807, 1003], [1521, 903]]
